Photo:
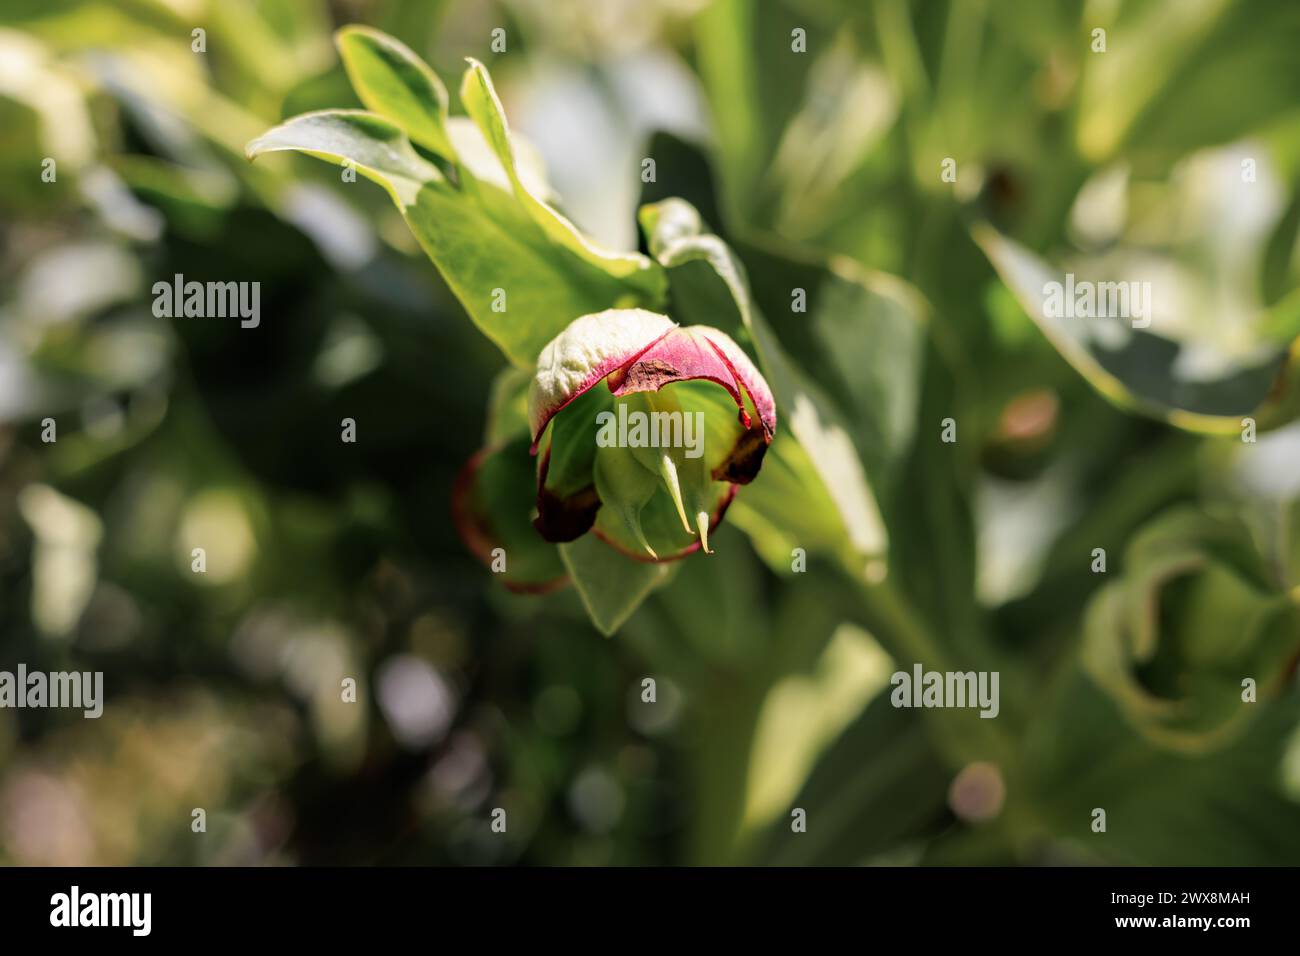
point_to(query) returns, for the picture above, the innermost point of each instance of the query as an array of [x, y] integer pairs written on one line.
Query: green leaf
[[1143, 372], [787, 507], [862, 331], [477, 161], [484, 108], [625, 488], [377, 148], [518, 287], [674, 233], [719, 609], [520, 269], [394, 82], [754, 81], [1195, 612], [848, 105], [877, 788], [803, 713], [570, 445], [1186, 77], [1233, 807], [611, 586]]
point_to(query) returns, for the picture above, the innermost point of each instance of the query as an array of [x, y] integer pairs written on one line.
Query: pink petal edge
[[748, 376], [609, 365]]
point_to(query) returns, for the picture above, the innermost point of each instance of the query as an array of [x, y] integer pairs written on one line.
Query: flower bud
[[651, 461]]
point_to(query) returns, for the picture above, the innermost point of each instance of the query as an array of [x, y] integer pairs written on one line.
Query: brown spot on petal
[[745, 459], [649, 375], [566, 519]]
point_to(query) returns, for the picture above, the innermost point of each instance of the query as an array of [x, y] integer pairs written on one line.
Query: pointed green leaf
[[611, 586], [484, 108], [377, 148], [394, 82], [625, 487], [477, 159], [518, 287]]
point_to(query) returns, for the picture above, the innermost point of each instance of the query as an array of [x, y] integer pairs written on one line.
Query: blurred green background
[[1119, 691]]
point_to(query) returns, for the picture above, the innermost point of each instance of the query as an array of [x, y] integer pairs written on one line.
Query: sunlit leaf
[[484, 108], [516, 285], [394, 82], [1143, 371]]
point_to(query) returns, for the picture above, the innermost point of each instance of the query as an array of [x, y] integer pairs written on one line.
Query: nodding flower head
[[651, 461]]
